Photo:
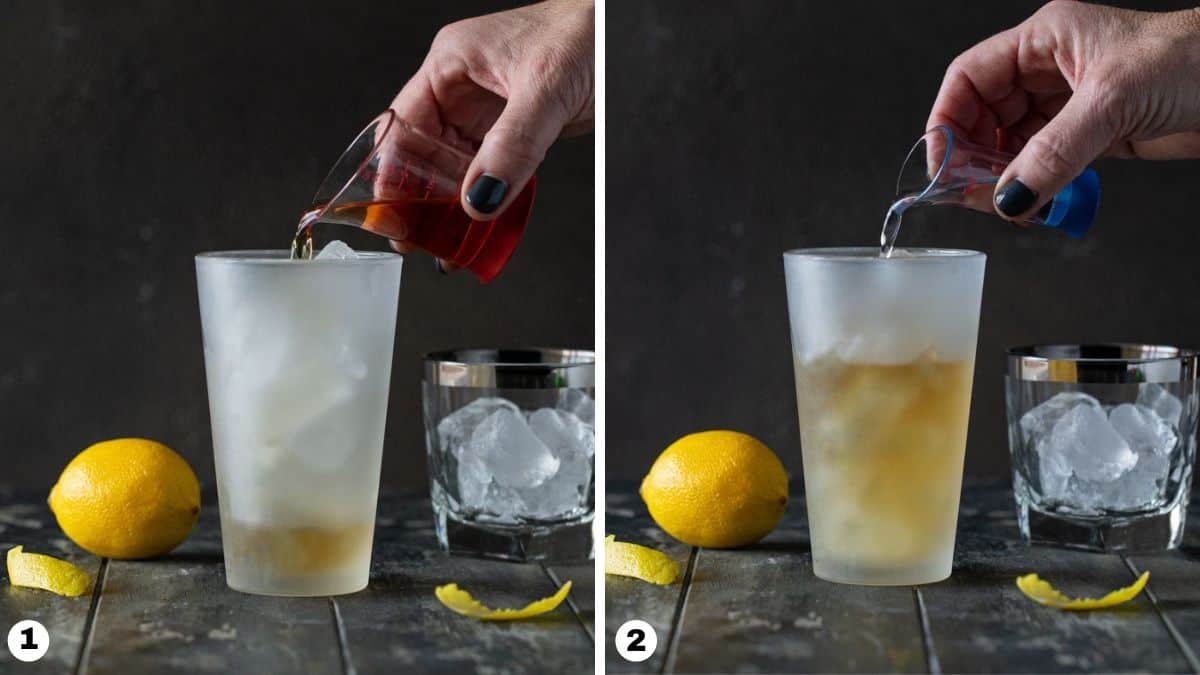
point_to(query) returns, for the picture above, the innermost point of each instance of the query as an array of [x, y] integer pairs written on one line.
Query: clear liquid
[[891, 224]]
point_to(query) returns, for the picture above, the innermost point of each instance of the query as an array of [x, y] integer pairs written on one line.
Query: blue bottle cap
[[1074, 209]]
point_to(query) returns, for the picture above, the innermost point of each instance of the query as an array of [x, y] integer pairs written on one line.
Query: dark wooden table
[[176, 615], [760, 609]]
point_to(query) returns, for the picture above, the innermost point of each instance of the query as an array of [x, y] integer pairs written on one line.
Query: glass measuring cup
[[942, 168], [399, 182]]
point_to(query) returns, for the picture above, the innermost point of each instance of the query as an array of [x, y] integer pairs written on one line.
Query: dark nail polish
[[1014, 198], [438, 264], [486, 193]]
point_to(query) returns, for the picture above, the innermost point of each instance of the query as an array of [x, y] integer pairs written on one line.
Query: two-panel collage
[[581, 337]]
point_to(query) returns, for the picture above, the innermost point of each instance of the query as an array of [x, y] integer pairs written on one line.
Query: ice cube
[[579, 404], [1086, 441], [1162, 402], [563, 432], [1053, 472], [573, 443], [564, 494], [882, 348], [515, 457], [473, 480], [1140, 488], [1039, 421], [869, 402], [479, 492], [1143, 429], [336, 250], [455, 429]]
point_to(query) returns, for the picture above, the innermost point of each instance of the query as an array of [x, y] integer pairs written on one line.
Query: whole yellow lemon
[[127, 498], [716, 489]]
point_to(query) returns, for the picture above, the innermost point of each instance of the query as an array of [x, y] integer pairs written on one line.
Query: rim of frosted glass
[[282, 257], [870, 254]]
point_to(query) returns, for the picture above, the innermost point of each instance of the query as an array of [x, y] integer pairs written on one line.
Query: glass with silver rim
[[1102, 439], [510, 437]]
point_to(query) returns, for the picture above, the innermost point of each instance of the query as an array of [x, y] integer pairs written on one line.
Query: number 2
[[635, 645]]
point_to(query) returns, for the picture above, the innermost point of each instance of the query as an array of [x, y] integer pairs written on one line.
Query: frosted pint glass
[[883, 350], [298, 355]]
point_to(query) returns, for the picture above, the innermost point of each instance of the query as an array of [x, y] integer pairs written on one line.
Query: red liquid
[[439, 226]]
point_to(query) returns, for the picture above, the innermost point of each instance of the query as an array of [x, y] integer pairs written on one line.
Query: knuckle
[[1057, 10], [518, 143], [957, 67], [451, 35], [1050, 152]]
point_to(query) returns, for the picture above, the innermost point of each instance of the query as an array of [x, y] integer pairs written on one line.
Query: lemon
[[461, 601], [716, 489], [126, 498], [1042, 592], [35, 570], [640, 562]]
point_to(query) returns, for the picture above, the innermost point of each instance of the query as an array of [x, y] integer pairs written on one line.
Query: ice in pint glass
[[884, 351], [299, 357]]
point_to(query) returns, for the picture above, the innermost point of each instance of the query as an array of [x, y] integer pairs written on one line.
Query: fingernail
[[486, 193], [1014, 198], [438, 264]]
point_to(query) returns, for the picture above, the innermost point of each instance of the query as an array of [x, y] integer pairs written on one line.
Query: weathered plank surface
[[176, 614], [980, 622], [760, 609], [1175, 588], [582, 600], [29, 523], [762, 605], [397, 624], [625, 598]]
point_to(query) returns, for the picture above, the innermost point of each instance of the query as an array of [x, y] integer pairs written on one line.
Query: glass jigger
[[402, 183], [942, 168]]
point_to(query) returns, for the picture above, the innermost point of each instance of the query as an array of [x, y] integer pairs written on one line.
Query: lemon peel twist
[[461, 601], [640, 562], [34, 570], [1042, 592]]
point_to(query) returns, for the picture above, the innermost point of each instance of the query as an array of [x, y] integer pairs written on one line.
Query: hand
[[506, 86], [1071, 83]]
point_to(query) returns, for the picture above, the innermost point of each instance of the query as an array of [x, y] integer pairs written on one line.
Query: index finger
[[417, 103], [980, 92]]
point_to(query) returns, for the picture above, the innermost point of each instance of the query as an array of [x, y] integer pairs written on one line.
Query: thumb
[[511, 151], [1055, 155]]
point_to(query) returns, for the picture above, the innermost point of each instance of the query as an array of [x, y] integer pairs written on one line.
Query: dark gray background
[[739, 130], [136, 134]]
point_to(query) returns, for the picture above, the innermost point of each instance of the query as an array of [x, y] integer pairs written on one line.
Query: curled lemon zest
[[461, 601], [640, 562], [1042, 592], [34, 570]]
